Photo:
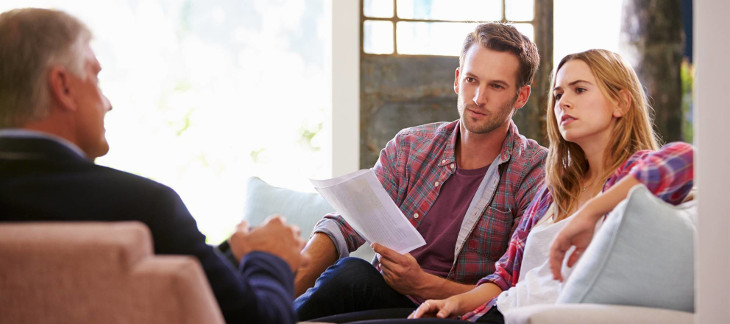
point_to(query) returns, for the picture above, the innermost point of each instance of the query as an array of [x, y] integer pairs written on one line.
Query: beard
[[492, 121]]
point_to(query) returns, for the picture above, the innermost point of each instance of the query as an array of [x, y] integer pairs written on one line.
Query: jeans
[[351, 284]]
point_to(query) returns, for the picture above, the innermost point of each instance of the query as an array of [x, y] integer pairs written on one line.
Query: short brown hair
[[505, 38], [31, 41]]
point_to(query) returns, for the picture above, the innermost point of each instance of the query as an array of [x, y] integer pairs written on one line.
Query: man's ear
[[60, 86], [456, 81], [623, 104], [522, 96]]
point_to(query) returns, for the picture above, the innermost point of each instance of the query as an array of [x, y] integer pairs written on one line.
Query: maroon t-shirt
[[440, 226]]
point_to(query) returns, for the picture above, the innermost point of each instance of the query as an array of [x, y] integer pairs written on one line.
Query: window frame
[[394, 20]]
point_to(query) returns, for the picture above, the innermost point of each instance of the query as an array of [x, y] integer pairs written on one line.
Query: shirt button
[[443, 161], [415, 215], [436, 184], [452, 166]]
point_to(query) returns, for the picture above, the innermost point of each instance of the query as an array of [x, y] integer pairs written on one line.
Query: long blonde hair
[[566, 163]]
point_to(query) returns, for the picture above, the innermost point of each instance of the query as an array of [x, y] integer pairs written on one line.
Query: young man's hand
[[401, 271]]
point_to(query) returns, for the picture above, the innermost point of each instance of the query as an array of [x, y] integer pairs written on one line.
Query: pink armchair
[[97, 273]]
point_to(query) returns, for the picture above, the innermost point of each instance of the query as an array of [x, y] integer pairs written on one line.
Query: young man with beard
[[463, 185]]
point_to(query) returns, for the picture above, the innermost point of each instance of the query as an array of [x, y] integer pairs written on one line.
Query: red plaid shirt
[[667, 173], [413, 165]]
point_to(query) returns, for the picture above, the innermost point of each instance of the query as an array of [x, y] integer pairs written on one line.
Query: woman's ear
[[623, 104]]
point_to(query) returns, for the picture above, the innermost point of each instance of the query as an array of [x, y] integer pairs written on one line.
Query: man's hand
[[272, 236], [239, 250], [401, 271]]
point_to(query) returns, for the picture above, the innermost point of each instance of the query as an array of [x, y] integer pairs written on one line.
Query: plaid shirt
[[413, 165], [667, 173]]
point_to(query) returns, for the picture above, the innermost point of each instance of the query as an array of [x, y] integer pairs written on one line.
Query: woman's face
[[583, 113]]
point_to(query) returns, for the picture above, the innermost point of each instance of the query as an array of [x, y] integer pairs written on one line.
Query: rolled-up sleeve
[[668, 173], [331, 227]]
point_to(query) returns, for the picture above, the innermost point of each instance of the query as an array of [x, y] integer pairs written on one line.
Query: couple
[[465, 185]]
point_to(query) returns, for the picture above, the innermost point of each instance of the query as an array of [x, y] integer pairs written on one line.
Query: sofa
[[639, 268], [97, 273]]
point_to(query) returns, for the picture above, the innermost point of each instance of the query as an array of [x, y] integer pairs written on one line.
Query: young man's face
[[92, 106], [487, 87]]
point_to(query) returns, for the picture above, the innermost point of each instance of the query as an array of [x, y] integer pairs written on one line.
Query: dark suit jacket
[[43, 180]]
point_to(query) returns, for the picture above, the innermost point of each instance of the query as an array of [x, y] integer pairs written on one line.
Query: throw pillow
[[304, 209], [643, 255]]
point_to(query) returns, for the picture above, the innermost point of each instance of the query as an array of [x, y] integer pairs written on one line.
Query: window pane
[[190, 110], [479, 10], [526, 29], [378, 8], [432, 38], [378, 37], [520, 10], [600, 23]]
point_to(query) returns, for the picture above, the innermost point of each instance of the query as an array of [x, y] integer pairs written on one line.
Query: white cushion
[[304, 209], [594, 314], [643, 255]]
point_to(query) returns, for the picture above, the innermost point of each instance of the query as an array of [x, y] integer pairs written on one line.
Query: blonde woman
[[601, 145]]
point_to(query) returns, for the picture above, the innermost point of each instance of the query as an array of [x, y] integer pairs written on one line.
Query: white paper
[[366, 206]]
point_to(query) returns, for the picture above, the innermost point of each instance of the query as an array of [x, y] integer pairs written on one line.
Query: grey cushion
[[643, 255], [304, 209]]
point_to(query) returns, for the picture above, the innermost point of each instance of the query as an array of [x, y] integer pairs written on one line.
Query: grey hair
[[31, 41]]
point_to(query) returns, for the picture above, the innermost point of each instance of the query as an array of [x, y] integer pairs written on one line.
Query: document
[[361, 199]]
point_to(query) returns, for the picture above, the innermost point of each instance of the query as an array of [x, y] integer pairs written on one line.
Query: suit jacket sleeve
[[261, 291]]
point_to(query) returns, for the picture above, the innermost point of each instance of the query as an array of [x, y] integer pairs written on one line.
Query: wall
[[402, 91], [712, 167], [345, 86]]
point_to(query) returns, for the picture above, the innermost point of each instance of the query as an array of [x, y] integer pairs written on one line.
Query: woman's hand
[[579, 233], [441, 308]]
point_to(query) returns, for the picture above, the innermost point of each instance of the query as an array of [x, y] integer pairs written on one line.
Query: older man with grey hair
[[52, 128]]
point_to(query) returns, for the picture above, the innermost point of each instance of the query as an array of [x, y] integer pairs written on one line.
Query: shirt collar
[[506, 151], [509, 142], [25, 133]]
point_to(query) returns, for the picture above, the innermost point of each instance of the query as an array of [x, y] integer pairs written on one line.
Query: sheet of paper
[[366, 206]]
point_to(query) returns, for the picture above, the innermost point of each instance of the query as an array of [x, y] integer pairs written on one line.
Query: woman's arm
[[667, 173], [458, 304], [579, 231]]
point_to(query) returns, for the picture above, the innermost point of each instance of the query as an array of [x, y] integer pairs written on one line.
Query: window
[[428, 27], [206, 94]]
